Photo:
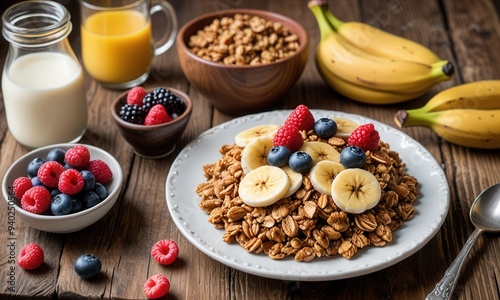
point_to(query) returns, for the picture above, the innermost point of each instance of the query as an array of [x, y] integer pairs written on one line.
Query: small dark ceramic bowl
[[240, 89], [152, 141]]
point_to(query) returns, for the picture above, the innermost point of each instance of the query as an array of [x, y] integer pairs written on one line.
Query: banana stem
[[441, 68], [324, 26], [334, 22], [413, 117]]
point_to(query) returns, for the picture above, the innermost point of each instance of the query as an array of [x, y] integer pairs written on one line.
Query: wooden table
[[466, 32]]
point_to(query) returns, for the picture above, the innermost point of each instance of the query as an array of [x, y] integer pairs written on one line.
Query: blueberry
[[88, 179], [77, 206], [90, 199], [33, 167], [325, 128], [352, 157], [54, 192], [101, 191], [68, 166], [278, 156], [87, 266], [61, 205], [300, 161], [35, 181], [56, 155]]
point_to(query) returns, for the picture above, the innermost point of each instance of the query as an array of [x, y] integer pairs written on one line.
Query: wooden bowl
[[152, 141], [240, 89]]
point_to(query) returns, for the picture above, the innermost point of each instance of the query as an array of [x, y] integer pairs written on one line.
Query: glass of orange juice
[[118, 45]]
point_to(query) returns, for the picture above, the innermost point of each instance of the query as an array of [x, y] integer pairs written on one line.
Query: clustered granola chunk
[[307, 224], [243, 40]]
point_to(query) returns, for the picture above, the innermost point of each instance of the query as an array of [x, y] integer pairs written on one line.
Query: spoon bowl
[[485, 215]]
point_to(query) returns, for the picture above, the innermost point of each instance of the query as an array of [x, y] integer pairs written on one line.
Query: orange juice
[[117, 46]]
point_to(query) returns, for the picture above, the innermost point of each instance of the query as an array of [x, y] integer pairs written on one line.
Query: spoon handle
[[444, 288]]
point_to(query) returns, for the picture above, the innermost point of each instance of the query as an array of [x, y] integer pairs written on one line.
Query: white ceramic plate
[[186, 173]]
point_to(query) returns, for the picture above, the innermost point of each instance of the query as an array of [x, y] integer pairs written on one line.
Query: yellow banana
[[379, 42], [476, 128], [483, 94]]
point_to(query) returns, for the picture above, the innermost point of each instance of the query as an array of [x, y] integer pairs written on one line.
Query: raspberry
[[365, 137], [49, 173], [165, 252], [78, 157], [71, 182], [156, 286], [36, 200], [101, 171], [157, 115], [288, 136], [21, 185], [135, 96], [30, 257], [132, 113], [301, 118]]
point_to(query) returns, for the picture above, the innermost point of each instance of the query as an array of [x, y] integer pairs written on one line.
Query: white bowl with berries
[[62, 188]]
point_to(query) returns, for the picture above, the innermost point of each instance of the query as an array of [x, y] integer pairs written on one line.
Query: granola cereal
[[308, 224]]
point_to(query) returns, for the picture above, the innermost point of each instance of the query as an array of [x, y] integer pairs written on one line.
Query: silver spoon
[[485, 215]]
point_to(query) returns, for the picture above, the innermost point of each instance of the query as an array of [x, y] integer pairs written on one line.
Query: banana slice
[[320, 151], [243, 138], [295, 181], [263, 186], [322, 175], [355, 190], [345, 126], [254, 155]]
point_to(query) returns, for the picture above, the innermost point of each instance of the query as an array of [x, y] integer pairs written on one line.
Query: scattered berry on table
[[30, 257], [301, 117], [36, 200], [300, 162], [101, 171], [132, 113], [78, 156], [157, 115], [288, 136], [89, 199], [21, 185], [87, 266], [61, 205], [156, 286], [71, 182], [365, 137], [88, 180], [352, 157], [56, 155], [278, 156], [165, 251], [33, 167], [325, 128], [135, 95], [49, 173]]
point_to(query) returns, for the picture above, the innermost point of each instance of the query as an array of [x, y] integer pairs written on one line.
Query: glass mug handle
[[170, 33]]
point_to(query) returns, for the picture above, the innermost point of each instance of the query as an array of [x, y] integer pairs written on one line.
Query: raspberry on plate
[[157, 115], [36, 200], [302, 118], [49, 173], [165, 252], [101, 171], [71, 182], [365, 137], [30, 257], [78, 157], [21, 185], [135, 95], [156, 286], [288, 136]]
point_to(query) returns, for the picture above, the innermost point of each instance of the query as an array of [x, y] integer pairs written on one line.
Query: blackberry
[[132, 113], [174, 106]]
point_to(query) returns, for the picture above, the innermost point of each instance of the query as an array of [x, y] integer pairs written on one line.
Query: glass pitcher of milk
[[42, 81]]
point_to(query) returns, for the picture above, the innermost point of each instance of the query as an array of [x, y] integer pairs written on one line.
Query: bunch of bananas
[[466, 115], [373, 66]]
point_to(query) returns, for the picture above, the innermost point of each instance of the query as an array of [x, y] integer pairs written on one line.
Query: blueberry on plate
[[325, 128], [33, 166], [56, 154], [61, 204], [300, 162], [87, 266], [88, 180], [352, 157], [278, 156]]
